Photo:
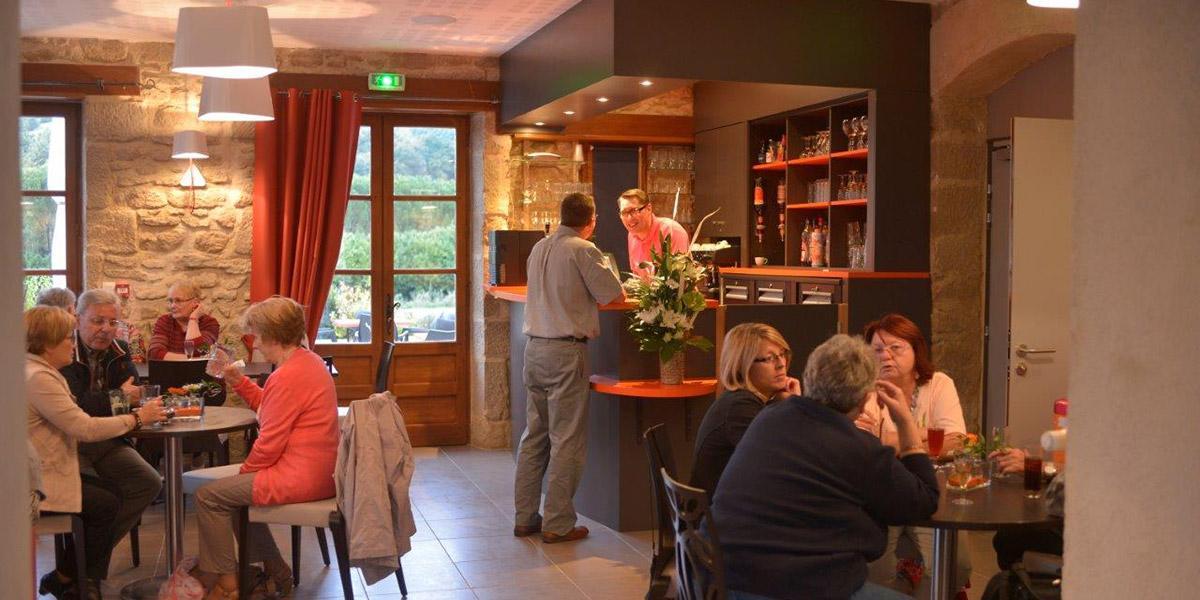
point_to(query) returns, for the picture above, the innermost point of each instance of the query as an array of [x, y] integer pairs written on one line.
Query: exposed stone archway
[[975, 47]]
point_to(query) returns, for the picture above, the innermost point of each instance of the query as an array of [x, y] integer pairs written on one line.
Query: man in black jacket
[[804, 503], [102, 363]]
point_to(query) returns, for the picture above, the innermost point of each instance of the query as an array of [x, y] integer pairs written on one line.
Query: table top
[[653, 388], [1001, 504], [217, 419], [253, 369]]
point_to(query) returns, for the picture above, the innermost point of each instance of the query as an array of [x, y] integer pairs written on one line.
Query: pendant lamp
[[232, 42], [236, 100], [1053, 3]]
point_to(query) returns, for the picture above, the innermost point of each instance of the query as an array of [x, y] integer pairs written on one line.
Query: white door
[[1039, 348]]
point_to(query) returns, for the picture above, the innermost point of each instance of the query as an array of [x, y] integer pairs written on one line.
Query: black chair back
[[660, 458], [699, 566], [177, 373], [385, 367]]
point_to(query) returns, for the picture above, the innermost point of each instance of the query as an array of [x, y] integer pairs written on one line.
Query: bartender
[[647, 231]]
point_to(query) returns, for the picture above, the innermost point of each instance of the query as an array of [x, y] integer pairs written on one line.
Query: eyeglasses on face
[[179, 300], [774, 358], [629, 212], [895, 348], [101, 322]]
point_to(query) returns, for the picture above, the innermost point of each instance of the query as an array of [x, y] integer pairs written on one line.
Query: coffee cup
[[760, 260]]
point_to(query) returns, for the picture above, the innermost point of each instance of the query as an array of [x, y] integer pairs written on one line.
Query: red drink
[[937, 435], [1033, 475]]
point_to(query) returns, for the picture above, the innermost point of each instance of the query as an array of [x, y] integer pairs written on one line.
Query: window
[[50, 197]]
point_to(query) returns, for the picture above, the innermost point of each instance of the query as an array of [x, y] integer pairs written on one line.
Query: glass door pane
[[425, 161]]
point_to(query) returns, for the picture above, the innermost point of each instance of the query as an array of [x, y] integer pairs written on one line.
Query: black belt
[[565, 338]]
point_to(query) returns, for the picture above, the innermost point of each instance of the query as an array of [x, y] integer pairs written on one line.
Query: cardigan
[[803, 504], [55, 425], [297, 443], [720, 431]]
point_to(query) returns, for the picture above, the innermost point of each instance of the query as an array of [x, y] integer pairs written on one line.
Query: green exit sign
[[386, 82]]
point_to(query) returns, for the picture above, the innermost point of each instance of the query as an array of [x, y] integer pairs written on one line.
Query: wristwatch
[[137, 420]]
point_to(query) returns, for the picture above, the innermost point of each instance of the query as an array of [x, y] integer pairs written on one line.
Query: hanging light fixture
[[232, 42], [236, 100], [1053, 3]]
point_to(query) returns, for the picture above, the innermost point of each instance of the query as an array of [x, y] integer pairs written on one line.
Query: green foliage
[[667, 303], [34, 284]]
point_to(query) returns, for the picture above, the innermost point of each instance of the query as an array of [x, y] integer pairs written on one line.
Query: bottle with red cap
[[1059, 455]]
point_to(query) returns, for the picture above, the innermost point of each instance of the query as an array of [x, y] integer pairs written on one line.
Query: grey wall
[[15, 556], [1132, 519], [1045, 89]]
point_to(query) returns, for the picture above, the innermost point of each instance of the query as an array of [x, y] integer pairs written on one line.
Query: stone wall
[[139, 227], [975, 47]]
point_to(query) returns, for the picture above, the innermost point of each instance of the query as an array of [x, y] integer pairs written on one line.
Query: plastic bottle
[[1060, 423]]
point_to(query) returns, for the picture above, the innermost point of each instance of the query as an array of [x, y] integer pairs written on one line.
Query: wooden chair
[[699, 566], [383, 374], [660, 458], [61, 526]]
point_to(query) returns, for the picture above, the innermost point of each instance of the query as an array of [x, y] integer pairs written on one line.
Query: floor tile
[[422, 578], [486, 548], [470, 527], [512, 571], [555, 591]]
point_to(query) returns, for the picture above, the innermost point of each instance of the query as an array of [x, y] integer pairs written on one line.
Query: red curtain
[[303, 162]]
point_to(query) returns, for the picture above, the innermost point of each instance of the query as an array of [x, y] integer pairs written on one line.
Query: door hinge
[[987, 331], [989, 190], [987, 218]]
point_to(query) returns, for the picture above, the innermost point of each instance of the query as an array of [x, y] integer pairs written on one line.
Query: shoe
[[51, 584], [910, 571], [577, 533], [527, 530]]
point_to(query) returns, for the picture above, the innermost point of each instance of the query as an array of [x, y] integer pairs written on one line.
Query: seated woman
[[754, 372], [802, 505], [60, 297], [291, 461], [55, 424], [185, 324], [931, 398]]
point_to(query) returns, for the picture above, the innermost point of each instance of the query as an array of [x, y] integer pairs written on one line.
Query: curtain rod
[[98, 84]]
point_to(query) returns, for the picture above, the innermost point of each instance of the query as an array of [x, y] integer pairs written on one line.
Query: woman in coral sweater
[[291, 461]]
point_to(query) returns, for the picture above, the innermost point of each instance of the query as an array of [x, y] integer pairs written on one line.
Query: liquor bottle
[[805, 237], [770, 157], [816, 248], [758, 192], [762, 153], [783, 147]]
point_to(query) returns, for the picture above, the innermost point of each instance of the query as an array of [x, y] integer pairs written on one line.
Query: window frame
[[71, 112]]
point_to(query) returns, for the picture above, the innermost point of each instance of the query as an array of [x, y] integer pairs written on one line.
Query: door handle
[[1023, 350]]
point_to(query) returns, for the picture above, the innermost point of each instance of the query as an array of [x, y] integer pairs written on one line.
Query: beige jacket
[[374, 469], [56, 423]]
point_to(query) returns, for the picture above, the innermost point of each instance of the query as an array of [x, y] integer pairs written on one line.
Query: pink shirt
[[296, 448], [660, 228], [937, 406]]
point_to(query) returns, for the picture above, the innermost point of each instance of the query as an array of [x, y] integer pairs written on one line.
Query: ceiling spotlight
[[646, 83], [540, 123], [602, 99], [568, 112]]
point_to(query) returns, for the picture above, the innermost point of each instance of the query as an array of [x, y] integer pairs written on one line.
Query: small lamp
[[236, 100], [190, 144]]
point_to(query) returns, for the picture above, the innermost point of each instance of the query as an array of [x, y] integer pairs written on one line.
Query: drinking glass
[[189, 347], [846, 130], [150, 392], [959, 478], [936, 436], [218, 359], [862, 141], [854, 127], [1033, 473], [118, 402], [189, 408]]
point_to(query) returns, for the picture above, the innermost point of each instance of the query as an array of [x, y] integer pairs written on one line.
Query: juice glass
[[936, 436], [1033, 474]]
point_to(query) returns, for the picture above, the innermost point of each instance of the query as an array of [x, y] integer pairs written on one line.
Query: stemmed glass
[[862, 140], [959, 478], [848, 131]]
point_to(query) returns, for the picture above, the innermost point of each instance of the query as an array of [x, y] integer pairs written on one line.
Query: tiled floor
[[464, 548]]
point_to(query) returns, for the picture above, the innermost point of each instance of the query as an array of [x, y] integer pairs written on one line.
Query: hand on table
[[1011, 460]]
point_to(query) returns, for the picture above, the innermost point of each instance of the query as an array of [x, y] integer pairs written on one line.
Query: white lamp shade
[[1054, 3], [192, 178], [236, 100], [233, 42], [190, 144]]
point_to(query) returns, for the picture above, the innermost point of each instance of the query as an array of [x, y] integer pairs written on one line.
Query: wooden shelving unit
[[771, 166]]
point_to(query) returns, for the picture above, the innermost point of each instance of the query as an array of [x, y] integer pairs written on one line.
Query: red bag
[[181, 585]]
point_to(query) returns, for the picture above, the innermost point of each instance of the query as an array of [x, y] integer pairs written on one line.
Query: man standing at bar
[[647, 231], [568, 278]]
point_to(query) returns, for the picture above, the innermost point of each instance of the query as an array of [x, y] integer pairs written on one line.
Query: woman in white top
[[904, 361]]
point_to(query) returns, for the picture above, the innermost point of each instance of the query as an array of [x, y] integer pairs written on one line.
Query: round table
[[217, 419], [1000, 505]]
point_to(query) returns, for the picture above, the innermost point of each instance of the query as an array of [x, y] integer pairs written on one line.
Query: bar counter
[[625, 399]]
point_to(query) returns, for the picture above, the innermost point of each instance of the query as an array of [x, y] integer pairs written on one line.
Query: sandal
[[278, 583]]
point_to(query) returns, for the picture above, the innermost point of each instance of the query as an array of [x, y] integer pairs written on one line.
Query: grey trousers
[[217, 504], [555, 437], [117, 463]]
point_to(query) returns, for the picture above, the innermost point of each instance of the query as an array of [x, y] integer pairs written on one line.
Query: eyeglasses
[[101, 322], [179, 300], [895, 349], [774, 358], [629, 212]]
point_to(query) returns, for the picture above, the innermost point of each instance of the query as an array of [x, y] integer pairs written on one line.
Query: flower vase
[[670, 371]]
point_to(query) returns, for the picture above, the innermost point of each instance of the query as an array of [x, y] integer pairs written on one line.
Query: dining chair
[[61, 526], [659, 458], [699, 565], [383, 374]]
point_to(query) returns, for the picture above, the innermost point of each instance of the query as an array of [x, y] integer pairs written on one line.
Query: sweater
[[803, 503], [169, 335], [297, 443], [720, 431]]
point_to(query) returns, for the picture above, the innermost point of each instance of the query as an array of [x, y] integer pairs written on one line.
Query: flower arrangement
[[667, 303], [980, 446], [207, 389]]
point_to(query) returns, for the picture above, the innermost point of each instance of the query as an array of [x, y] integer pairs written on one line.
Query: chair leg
[[134, 545], [80, 556], [342, 547], [295, 556], [400, 578], [323, 544], [243, 535]]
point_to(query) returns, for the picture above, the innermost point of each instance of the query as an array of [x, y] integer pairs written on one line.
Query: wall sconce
[[192, 145]]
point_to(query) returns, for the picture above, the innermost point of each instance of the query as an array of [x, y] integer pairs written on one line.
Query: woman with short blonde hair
[[754, 372], [276, 319]]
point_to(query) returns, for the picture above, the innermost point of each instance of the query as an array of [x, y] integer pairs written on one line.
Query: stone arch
[[975, 47]]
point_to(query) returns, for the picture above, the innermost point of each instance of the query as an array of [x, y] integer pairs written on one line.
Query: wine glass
[[849, 137], [189, 348], [862, 143], [959, 478]]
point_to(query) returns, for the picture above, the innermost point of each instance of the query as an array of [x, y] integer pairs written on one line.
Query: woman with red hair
[[904, 361]]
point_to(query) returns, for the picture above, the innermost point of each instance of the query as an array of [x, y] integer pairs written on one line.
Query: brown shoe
[[526, 531], [577, 533]]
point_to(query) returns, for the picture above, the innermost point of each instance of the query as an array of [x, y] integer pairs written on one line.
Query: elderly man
[[102, 363], [186, 328], [647, 231], [803, 504]]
